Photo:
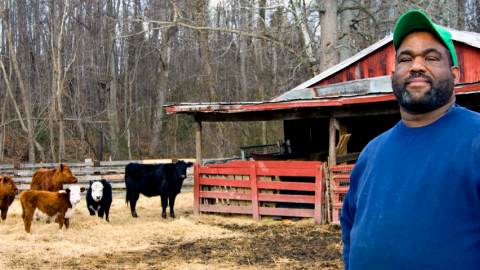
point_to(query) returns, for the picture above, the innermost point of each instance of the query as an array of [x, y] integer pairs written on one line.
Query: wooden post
[[253, 183], [196, 189], [198, 141], [332, 157], [318, 194]]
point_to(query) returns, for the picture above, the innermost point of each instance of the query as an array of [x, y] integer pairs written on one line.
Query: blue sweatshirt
[[414, 198]]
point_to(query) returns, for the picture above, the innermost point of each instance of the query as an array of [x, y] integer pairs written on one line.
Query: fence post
[[318, 194], [196, 189], [253, 184]]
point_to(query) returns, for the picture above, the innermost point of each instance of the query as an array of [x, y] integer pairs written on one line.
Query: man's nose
[[418, 64]]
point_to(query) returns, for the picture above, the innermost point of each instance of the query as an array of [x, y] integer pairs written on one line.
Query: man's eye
[[431, 59], [405, 60]]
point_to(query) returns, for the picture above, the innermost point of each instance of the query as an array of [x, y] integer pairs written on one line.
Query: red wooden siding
[[231, 181], [379, 63], [382, 61], [468, 60]]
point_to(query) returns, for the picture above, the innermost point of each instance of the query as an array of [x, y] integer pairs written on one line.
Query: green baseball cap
[[416, 19]]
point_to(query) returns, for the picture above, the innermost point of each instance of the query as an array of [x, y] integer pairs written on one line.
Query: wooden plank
[[286, 198], [268, 164], [318, 195], [196, 190], [289, 212], [226, 209], [225, 195], [341, 148], [224, 182], [331, 143], [234, 171], [241, 203], [348, 157], [287, 172], [157, 161], [287, 186], [198, 140], [254, 191]]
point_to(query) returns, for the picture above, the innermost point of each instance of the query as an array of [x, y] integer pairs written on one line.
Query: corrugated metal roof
[[336, 99], [470, 38], [376, 85]]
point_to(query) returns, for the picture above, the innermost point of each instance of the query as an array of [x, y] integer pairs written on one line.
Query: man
[[414, 197]]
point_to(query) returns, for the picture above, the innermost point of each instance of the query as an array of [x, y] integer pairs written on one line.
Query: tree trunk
[[163, 82], [243, 53], [328, 22], [112, 114], [304, 34], [23, 91], [345, 49]]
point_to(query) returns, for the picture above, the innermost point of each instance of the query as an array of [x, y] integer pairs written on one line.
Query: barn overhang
[[357, 98]]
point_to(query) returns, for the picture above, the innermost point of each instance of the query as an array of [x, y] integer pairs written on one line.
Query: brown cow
[[8, 190], [48, 204], [52, 180]]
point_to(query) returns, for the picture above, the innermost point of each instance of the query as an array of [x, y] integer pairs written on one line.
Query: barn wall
[[468, 57], [382, 62]]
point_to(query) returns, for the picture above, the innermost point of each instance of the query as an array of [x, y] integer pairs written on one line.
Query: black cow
[[152, 180], [99, 198]]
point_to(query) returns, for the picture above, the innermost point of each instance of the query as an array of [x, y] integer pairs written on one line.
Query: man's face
[[423, 80]]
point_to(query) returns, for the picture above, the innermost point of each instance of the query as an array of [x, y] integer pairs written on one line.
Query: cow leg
[[4, 213], [101, 211], [107, 211], [132, 197], [61, 219], [164, 205], [172, 203], [27, 216], [91, 210], [67, 223]]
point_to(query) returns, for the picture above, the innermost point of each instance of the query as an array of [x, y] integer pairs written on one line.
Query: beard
[[437, 96]]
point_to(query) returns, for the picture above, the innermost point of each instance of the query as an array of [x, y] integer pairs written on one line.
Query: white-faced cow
[[152, 180], [99, 198], [47, 204]]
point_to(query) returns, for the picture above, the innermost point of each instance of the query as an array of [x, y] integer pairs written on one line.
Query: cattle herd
[[47, 199]]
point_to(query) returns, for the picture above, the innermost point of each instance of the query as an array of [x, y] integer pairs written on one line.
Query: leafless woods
[[89, 78]]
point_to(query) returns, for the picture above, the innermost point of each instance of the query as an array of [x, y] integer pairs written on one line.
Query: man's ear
[[391, 77], [456, 74]]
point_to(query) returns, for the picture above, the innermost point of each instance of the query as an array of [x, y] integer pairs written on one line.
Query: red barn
[[347, 105], [353, 97]]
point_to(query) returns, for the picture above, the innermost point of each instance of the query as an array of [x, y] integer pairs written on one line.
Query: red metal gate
[[252, 187], [340, 186]]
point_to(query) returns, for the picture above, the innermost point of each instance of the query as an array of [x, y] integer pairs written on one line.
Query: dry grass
[[131, 242]]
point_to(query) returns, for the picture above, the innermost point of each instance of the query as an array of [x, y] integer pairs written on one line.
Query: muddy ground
[[188, 242]]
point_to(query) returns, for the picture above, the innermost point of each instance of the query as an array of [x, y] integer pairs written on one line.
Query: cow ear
[[103, 181], [189, 164], [61, 167], [91, 182], [67, 190], [8, 175], [82, 189]]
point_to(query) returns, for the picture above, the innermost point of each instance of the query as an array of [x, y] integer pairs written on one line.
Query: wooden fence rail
[[112, 171]]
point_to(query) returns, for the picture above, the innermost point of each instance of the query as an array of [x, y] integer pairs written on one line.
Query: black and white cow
[[99, 198], [152, 180]]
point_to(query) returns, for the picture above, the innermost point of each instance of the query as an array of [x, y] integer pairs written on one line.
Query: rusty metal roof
[[337, 99]]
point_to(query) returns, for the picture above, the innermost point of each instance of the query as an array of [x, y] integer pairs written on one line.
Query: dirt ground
[[150, 242]]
